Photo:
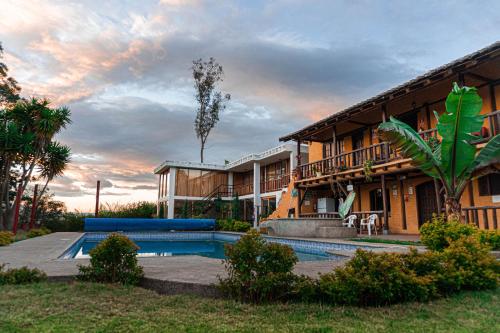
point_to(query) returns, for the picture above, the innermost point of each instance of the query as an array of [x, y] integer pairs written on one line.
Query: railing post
[[485, 219], [299, 171]]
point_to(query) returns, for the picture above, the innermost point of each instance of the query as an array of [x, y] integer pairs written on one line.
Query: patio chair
[[350, 221], [369, 223]]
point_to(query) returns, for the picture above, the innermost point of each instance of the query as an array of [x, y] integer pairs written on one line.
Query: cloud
[[124, 70]]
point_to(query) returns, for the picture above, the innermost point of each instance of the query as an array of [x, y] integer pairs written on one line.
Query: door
[[357, 143], [426, 202]]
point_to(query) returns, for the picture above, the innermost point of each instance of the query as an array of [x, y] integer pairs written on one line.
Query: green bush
[[6, 238], [141, 209], [69, 222], [490, 237], [114, 260], [38, 232], [232, 225], [375, 279], [259, 271], [438, 233], [21, 275], [471, 264]]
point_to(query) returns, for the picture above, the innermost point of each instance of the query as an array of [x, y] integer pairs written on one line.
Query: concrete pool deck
[[164, 274]]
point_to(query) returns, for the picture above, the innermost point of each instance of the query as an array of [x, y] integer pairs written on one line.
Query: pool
[[205, 244]]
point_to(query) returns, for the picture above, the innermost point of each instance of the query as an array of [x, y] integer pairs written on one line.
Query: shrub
[[240, 226], [233, 225], [438, 233], [141, 209], [375, 279], [471, 264], [6, 238], [69, 222], [490, 237], [259, 271], [38, 232], [113, 260], [21, 275]]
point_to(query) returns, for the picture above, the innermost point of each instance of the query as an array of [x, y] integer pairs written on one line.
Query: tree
[[210, 101], [455, 161], [9, 89]]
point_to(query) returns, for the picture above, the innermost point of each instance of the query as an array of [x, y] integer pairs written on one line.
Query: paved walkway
[[43, 252], [400, 237]]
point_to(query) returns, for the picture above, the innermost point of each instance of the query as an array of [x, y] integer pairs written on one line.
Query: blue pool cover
[[138, 224]]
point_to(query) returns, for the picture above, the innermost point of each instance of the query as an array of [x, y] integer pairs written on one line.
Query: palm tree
[[455, 161], [28, 144], [53, 163]]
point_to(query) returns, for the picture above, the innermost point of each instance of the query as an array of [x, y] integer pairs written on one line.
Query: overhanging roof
[[424, 80]]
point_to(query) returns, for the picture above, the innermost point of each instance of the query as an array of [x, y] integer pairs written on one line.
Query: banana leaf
[[455, 127], [489, 154], [411, 145], [346, 205]]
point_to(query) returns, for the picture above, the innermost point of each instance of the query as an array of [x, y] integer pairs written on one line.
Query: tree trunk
[[453, 209], [201, 151]]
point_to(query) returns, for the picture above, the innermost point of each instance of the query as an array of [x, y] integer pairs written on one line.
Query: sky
[[123, 68]]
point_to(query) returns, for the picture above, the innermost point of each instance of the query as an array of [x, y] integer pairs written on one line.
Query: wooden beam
[[479, 77], [385, 205], [334, 144], [359, 123]]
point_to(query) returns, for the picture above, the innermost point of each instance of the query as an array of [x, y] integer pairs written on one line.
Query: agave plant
[[456, 160]]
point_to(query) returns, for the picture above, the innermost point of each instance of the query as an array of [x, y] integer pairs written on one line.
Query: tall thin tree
[[211, 102]]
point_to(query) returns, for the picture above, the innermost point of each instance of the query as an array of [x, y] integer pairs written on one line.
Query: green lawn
[[385, 241], [82, 307]]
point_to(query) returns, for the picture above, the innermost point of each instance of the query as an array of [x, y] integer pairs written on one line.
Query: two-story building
[[258, 181], [345, 152]]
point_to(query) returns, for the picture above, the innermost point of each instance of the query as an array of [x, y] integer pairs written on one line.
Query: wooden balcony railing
[[275, 184], [243, 189], [378, 153], [483, 216], [382, 152]]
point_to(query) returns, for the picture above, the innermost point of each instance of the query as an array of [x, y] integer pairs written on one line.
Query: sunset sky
[[123, 68]]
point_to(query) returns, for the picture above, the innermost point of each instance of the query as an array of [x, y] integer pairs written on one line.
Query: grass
[[79, 307], [385, 241]]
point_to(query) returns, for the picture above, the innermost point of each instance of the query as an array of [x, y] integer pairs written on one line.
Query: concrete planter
[[309, 228]]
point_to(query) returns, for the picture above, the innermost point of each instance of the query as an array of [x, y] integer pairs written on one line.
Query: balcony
[[243, 189], [382, 153], [378, 153], [273, 185]]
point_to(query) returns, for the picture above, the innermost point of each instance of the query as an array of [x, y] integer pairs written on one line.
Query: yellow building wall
[[315, 151]]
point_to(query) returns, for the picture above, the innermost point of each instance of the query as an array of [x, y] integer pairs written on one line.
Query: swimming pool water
[[204, 248]]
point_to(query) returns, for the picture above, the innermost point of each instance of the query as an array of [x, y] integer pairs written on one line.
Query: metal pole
[[33, 207], [97, 198]]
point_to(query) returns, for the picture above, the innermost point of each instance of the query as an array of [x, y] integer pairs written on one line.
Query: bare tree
[[206, 76]]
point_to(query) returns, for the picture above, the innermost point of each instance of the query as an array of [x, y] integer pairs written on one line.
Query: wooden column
[[494, 122], [438, 196], [299, 203], [299, 157], [384, 201], [158, 203], [403, 203], [334, 145], [358, 195], [428, 116], [98, 188], [384, 119]]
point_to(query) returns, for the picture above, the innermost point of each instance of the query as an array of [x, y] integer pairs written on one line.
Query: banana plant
[[456, 160]]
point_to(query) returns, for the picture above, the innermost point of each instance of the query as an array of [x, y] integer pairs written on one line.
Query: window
[[489, 184], [328, 148]]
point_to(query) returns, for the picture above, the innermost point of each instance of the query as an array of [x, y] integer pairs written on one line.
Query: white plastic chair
[[350, 221], [369, 223]]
